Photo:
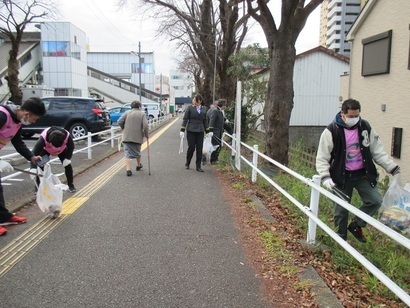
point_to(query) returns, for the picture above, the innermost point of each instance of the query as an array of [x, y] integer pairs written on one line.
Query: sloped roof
[[325, 50], [314, 50]]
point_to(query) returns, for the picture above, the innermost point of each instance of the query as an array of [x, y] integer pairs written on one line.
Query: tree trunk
[[13, 74], [279, 102]]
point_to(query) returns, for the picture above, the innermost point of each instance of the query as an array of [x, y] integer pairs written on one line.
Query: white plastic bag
[[395, 209], [50, 193], [181, 146], [208, 148]]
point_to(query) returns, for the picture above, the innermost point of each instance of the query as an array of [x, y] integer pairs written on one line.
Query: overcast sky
[[111, 29]]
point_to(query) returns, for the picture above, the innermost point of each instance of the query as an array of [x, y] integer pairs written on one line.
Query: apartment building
[[336, 18]]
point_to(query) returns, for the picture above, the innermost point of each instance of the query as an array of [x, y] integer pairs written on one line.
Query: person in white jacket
[[348, 149]]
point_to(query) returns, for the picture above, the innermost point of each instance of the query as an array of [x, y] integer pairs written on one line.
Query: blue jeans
[[370, 196]]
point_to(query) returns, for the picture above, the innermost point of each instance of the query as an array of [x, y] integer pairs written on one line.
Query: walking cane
[[149, 164]]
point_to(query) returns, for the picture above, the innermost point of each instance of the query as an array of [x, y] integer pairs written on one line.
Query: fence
[[114, 136], [312, 211]]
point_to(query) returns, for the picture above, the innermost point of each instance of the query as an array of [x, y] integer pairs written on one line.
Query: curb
[[324, 296]]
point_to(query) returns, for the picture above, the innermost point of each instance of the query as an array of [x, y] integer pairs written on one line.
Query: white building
[[126, 66], [182, 83], [57, 58], [64, 58], [316, 85]]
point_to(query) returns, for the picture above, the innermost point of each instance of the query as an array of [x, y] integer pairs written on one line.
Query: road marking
[[16, 250]]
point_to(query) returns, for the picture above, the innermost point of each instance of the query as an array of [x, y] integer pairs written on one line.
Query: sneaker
[[71, 188], [357, 232], [3, 231], [14, 220], [139, 167], [129, 173]]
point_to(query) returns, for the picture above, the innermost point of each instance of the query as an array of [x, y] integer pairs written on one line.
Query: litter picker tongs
[[340, 194], [25, 171]]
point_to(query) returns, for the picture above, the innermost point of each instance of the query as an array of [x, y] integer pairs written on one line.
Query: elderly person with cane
[[135, 127]]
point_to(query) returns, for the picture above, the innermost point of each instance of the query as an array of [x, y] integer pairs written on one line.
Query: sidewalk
[[160, 240]]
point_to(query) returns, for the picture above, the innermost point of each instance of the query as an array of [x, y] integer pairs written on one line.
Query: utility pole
[[160, 92], [139, 63]]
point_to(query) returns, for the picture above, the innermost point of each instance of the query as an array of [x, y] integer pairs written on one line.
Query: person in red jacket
[[12, 117], [55, 141]]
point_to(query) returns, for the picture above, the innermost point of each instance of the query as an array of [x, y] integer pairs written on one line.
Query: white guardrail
[[114, 136], [314, 220]]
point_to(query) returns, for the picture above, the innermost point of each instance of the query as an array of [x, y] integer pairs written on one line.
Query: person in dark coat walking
[[194, 123], [216, 128]]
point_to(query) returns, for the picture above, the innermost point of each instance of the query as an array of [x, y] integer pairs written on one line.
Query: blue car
[[117, 112]]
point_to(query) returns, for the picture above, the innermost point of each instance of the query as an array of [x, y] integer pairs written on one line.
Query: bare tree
[[282, 53], [210, 33], [14, 18]]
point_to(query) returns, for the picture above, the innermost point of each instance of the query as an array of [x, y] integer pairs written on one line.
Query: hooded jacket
[[331, 154]]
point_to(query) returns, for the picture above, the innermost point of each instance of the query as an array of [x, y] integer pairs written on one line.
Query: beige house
[[379, 74]]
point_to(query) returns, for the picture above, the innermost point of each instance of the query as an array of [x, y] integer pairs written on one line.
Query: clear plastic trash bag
[[395, 209]]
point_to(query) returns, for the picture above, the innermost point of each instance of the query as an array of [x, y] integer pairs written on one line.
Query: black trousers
[[216, 140], [195, 143]]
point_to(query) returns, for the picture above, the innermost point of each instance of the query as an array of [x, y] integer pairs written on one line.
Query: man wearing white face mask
[[347, 150], [11, 119]]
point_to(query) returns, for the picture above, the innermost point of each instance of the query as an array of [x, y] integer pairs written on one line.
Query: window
[[396, 142], [55, 49], [61, 92], [376, 54], [63, 104], [146, 68], [75, 52]]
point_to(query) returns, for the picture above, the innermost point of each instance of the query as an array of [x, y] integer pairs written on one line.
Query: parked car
[[116, 112], [78, 115], [152, 108]]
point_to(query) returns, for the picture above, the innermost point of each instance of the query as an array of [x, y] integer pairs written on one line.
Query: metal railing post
[[233, 146], [112, 137], [255, 162], [89, 143], [314, 208]]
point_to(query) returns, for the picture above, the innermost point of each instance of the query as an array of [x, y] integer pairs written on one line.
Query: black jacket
[[193, 121], [216, 121]]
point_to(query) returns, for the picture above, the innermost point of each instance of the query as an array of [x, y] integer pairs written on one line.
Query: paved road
[[160, 240]]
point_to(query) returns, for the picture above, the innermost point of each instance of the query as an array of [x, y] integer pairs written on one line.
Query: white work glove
[[33, 176], [5, 166], [66, 162], [210, 134], [181, 135], [328, 183]]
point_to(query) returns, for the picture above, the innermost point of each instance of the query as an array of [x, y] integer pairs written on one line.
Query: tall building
[[182, 83], [336, 18], [64, 58]]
